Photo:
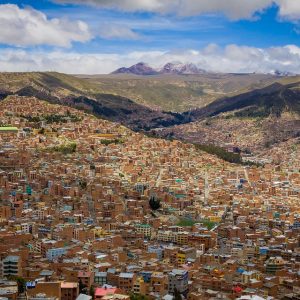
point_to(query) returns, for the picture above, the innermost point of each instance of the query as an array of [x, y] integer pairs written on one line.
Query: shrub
[[66, 149], [154, 203], [221, 153]]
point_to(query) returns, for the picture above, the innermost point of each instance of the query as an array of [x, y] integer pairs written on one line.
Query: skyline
[[97, 37]]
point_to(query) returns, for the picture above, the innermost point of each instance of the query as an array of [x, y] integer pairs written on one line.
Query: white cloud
[[128, 5], [234, 9], [289, 9], [232, 58], [117, 31], [29, 27]]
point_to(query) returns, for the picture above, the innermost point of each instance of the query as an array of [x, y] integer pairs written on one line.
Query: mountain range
[[176, 68], [169, 68]]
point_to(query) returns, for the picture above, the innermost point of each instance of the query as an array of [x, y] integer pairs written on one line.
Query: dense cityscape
[[91, 209], [149, 150]]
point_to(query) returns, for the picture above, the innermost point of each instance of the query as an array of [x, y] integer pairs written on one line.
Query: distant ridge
[[142, 68]]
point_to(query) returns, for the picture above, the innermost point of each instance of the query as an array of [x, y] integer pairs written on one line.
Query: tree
[[83, 184], [92, 291], [20, 281], [177, 295], [154, 203], [82, 287], [138, 297]]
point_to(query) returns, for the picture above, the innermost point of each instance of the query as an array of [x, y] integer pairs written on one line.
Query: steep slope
[[72, 91], [125, 111], [252, 122], [271, 100]]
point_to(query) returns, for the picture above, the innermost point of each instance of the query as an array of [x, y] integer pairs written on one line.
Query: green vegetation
[[138, 297], [83, 289], [114, 141], [189, 223], [42, 131], [8, 128], [186, 223], [163, 92], [20, 281], [4, 125], [208, 224], [92, 291], [65, 149], [53, 118], [168, 92], [83, 184], [250, 112], [231, 157], [177, 295], [221, 153], [154, 203]]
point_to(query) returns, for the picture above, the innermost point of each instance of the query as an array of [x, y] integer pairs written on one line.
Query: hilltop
[[137, 69]]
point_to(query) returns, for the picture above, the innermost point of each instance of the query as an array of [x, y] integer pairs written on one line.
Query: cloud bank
[[233, 9], [232, 58], [29, 27], [114, 31]]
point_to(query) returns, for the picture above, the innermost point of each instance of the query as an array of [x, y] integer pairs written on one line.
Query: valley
[[250, 121], [177, 92], [150, 150], [92, 177]]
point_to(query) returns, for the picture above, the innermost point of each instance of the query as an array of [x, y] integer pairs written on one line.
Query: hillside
[[69, 90], [178, 93], [252, 122], [271, 100], [253, 113]]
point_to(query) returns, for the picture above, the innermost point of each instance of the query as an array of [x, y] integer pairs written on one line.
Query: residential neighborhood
[[92, 210]]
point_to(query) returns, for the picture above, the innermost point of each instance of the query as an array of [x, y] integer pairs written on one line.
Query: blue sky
[[42, 33]]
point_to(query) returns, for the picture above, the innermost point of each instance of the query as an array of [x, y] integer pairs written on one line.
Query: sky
[[99, 36]]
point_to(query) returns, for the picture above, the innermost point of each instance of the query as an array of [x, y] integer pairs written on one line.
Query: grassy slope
[[178, 93]]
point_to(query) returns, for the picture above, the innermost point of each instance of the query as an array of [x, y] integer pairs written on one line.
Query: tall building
[[178, 279], [11, 266]]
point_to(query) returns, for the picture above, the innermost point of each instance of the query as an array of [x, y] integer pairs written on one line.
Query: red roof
[[101, 292], [237, 289]]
